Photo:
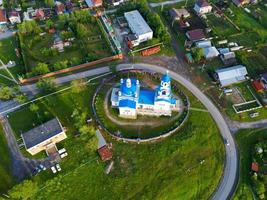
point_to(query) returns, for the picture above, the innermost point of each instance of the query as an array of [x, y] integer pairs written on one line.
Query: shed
[[258, 86], [210, 52], [255, 166], [231, 75]]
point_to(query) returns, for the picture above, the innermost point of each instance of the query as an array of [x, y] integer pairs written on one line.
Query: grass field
[[220, 26], [7, 180], [168, 169], [246, 139]]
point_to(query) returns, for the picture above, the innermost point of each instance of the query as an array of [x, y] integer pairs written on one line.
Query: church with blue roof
[[132, 100]]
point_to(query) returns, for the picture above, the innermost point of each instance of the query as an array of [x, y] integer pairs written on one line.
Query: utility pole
[[10, 74]]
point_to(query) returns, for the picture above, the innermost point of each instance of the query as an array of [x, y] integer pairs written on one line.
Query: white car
[[58, 167], [53, 170], [63, 155]]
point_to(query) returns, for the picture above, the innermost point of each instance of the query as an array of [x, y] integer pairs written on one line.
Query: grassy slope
[[152, 171], [246, 140], [5, 165]]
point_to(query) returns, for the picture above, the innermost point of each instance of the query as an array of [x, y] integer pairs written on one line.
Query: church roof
[[129, 91], [127, 103], [146, 97], [166, 77]]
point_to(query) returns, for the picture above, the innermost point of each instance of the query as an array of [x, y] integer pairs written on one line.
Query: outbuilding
[[195, 35], [231, 75]]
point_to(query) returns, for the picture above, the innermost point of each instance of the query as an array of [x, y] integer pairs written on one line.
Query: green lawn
[[246, 139], [220, 26], [169, 169], [7, 180]]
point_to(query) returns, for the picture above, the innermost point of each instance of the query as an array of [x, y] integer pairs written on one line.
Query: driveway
[[22, 167], [227, 184]]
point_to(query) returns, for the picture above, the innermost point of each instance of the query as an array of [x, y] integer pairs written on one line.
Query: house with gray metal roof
[[44, 137], [231, 75]]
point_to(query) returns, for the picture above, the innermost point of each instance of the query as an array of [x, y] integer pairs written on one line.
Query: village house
[[177, 14], [116, 2], [59, 7], [202, 7], [59, 44], [231, 75], [210, 52], [44, 137], [40, 14], [14, 17], [228, 57], [195, 35], [3, 18], [94, 3], [240, 3]]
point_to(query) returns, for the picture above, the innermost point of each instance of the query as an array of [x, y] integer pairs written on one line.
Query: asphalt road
[[227, 184]]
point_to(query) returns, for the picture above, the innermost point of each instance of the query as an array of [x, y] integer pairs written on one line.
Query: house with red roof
[[103, 149], [14, 17], [255, 167], [40, 14], [202, 7], [258, 86], [3, 18]]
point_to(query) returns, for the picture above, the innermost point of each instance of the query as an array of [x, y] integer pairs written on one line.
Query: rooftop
[[202, 3], [146, 97], [3, 16], [41, 133], [137, 22], [105, 153], [196, 34], [127, 104], [128, 86]]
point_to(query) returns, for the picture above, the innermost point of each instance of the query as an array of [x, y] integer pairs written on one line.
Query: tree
[[198, 53], [50, 3], [78, 86], [41, 68], [21, 98], [46, 85], [61, 65], [34, 107], [6, 93], [49, 24], [26, 190], [81, 31]]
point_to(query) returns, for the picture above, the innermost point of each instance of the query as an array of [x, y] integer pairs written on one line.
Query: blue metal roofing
[[146, 97], [166, 77], [128, 91], [127, 103]]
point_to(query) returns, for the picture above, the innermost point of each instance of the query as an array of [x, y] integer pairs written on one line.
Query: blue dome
[[128, 90], [166, 77]]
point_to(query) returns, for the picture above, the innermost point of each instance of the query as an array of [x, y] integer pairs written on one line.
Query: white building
[[202, 7], [131, 100], [138, 26], [210, 52], [14, 17], [231, 75]]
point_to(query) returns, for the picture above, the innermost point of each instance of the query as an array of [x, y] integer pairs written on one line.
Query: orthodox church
[[132, 100]]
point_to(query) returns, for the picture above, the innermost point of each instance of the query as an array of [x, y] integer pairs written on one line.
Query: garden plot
[[243, 99]]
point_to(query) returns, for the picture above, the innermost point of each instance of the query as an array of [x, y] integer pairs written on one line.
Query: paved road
[[228, 181], [6, 34], [153, 5], [32, 89]]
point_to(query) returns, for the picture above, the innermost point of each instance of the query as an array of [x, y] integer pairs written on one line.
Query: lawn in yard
[[169, 169], [220, 26], [246, 140], [7, 180]]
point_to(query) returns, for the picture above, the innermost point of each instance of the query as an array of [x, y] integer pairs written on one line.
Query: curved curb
[[137, 140], [228, 181]]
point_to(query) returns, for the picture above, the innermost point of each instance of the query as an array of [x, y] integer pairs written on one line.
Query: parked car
[[53, 170], [58, 167]]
